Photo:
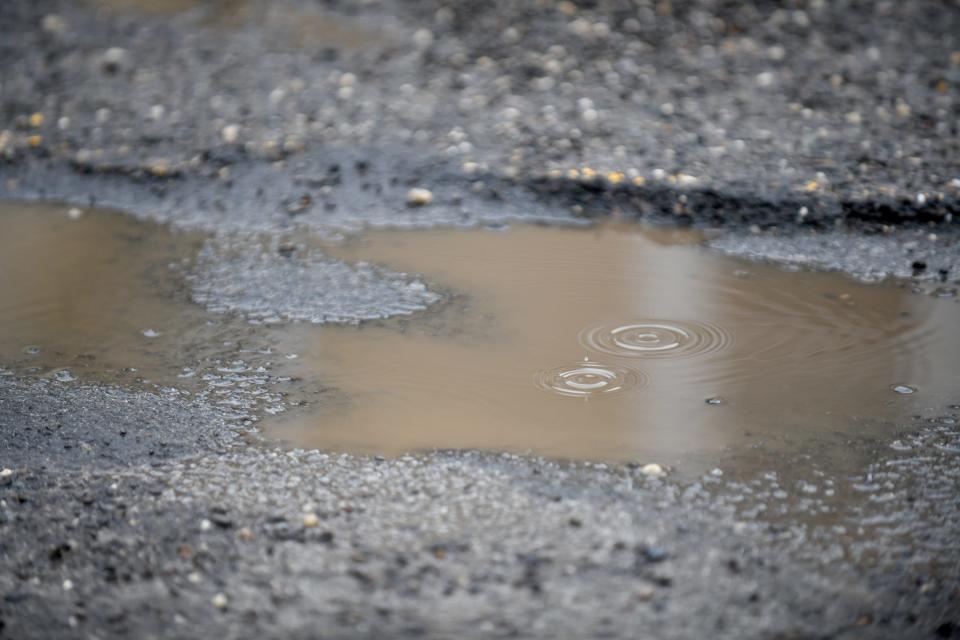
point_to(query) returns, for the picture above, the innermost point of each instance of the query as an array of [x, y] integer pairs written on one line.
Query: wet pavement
[[148, 503]]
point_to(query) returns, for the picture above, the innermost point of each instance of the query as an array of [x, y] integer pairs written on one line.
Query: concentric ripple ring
[[588, 379], [656, 338]]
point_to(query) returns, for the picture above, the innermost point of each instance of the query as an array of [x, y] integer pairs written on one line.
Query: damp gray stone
[[867, 257], [268, 282]]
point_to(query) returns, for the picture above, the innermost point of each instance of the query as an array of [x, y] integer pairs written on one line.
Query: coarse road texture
[[817, 133]]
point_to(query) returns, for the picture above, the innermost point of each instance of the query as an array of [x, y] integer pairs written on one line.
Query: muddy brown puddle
[[611, 343], [100, 298], [618, 344]]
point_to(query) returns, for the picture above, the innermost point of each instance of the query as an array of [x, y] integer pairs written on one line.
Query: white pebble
[[652, 469], [423, 38], [114, 58], [74, 213], [418, 197], [220, 601], [54, 24], [765, 79], [6, 473], [230, 133]]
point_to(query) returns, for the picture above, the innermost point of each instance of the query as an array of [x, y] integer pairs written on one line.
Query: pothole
[[608, 344]]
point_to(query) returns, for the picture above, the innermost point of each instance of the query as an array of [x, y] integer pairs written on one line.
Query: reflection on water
[[687, 353], [87, 297]]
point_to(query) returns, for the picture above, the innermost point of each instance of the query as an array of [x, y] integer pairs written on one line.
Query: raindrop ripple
[[656, 338], [589, 379]]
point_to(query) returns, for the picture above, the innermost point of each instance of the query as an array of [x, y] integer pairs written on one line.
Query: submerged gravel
[[284, 282]]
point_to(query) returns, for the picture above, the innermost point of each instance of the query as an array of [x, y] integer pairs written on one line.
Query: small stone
[[114, 59], [652, 469], [74, 213], [904, 389], [67, 585], [63, 375], [714, 401], [300, 205], [654, 554], [717, 473], [645, 594], [419, 197], [158, 167], [230, 133], [150, 333], [245, 534], [615, 177], [205, 525], [310, 520], [6, 473], [220, 601], [35, 141], [423, 38], [36, 120], [53, 24], [765, 79]]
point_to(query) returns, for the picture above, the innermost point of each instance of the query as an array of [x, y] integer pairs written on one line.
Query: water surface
[[612, 343], [618, 344]]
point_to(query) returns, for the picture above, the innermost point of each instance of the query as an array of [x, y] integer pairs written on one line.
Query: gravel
[[814, 133]]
